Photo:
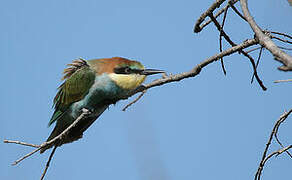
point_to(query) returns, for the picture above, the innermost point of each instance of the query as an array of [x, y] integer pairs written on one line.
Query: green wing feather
[[79, 77]]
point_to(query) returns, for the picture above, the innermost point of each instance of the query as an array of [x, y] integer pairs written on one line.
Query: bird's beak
[[151, 71]]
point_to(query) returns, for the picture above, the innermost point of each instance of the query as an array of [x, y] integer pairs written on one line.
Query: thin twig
[[215, 5], [236, 11], [280, 39], [277, 126], [279, 142], [227, 38], [288, 49], [285, 80], [257, 63], [220, 40], [265, 157], [265, 40], [48, 162], [282, 34], [280, 151], [198, 26], [25, 156], [253, 49], [134, 101], [21, 143]]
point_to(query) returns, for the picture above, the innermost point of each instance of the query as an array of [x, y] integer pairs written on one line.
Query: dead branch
[[227, 38], [265, 40], [220, 39], [210, 10], [134, 101], [266, 157], [48, 163], [199, 26], [286, 80], [257, 63]]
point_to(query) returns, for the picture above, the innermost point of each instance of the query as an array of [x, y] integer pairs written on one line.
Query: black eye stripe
[[127, 70]]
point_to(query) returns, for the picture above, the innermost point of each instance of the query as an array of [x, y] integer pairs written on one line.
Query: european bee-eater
[[94, 85]]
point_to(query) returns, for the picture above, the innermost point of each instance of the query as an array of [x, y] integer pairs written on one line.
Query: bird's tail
[[52, 135]]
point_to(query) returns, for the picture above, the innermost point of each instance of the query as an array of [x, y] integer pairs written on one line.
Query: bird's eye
[[123, 70], [127, 70]]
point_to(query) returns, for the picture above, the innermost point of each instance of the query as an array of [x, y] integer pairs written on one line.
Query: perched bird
[[93, 85]]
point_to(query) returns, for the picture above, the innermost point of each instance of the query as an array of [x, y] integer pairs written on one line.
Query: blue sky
[[208, 127]]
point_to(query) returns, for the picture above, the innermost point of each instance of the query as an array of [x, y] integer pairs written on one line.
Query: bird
[[94, 85]]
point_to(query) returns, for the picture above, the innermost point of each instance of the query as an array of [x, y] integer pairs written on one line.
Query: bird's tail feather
[[52, 135]]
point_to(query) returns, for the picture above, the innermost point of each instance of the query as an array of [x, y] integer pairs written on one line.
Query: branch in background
[[198, 27], [265, 40], [282, 34], [236, 11], [220, 39], [280, 39], [266, 157], [257, 64], [286, 80], [227, 38], [203, 16]]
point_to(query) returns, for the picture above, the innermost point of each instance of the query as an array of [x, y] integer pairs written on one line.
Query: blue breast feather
[[103, 90]]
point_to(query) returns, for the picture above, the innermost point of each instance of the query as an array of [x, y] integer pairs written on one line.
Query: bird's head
[[127, 74]]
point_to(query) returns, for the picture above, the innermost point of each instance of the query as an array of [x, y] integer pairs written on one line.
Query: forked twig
[[199, 26], [266, 157], [134, 101], [265, 40], [227, 38]]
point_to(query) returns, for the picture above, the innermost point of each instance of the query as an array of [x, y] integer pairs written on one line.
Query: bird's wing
[[79, 77]]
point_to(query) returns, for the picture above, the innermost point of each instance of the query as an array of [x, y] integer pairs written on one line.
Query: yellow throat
[[127, 81]]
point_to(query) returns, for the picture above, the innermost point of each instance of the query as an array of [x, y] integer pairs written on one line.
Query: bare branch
[[21, 143], [198, 27], [48, 162], [265, 41], [260, 169], [265, 157], [286, 80], [257, 63], [280, 39], [227, 38], [220, 39], [236, 11], [25, 156], [215, 5], [282, 34], [134, 101]]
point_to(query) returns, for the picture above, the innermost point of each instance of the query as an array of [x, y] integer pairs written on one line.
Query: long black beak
[[151, 71]]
